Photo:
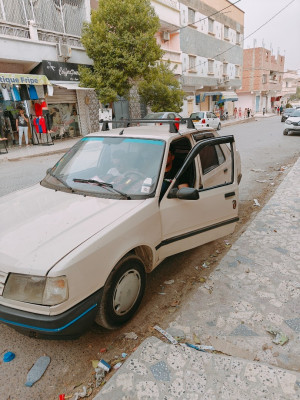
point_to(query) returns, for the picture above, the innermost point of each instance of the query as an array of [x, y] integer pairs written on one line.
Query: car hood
[[40, 226]]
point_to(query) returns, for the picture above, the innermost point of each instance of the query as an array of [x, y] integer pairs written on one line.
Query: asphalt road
[[262, 147]]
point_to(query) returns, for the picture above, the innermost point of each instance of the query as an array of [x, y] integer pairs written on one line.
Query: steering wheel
[[137, 174]]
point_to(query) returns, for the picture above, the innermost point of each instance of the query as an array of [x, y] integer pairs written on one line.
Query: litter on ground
[[131, 335], [37, 371], [256, 203], [280, 338]]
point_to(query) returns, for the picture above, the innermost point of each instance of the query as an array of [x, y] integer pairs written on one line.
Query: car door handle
[[225, 170], [230, 194]]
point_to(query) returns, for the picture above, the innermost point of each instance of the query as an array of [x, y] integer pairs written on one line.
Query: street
[[266, 157]]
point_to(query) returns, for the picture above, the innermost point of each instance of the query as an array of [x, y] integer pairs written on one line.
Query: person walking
[[248, 112], [264, 111], [22, 126], [281, 109], [245, 112], [235, 112], [240, 112]]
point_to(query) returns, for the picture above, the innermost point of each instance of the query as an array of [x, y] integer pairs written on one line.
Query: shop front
[[221, 102], [74, 109], [24, 92]]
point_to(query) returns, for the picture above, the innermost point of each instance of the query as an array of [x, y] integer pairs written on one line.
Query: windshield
[[296, 113], [158, 115], [197, 115], [124, 167]]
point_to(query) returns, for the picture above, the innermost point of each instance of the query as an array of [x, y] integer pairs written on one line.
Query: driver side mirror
[[186, 193]]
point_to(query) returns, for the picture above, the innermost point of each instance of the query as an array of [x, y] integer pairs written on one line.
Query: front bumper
[[68, 325]]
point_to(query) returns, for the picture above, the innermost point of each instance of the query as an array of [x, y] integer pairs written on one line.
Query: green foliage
[[295, 96], [160, 90], [120, 40]]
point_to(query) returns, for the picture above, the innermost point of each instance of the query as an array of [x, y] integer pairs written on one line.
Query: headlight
[[36, 289], [288, 122]]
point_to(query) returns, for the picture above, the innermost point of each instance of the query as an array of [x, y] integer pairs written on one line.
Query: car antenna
[[122, 131]]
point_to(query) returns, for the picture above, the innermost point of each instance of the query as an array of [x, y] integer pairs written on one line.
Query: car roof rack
[[173, 123]]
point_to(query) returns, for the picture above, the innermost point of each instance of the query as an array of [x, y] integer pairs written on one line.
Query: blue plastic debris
[[104, 365], [37, 371], [124, 355], [9, 356]]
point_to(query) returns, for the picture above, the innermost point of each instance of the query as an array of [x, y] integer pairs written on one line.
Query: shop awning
[[69, 85], [222, 96], [24, 79]]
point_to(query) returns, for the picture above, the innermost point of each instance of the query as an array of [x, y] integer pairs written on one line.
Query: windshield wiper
[[106, 185], [61, 181]]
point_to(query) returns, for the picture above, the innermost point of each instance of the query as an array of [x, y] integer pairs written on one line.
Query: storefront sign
[[61, 71], [22, 79]]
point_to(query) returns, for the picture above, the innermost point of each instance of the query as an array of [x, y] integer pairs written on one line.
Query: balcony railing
[[61, 16]]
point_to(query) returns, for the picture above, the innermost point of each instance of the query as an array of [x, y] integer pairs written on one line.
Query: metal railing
[[61, 16]]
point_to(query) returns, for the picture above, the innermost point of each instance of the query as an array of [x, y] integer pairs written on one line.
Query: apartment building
[[211, 42], [40, 50], [262, 80], [290, 83]]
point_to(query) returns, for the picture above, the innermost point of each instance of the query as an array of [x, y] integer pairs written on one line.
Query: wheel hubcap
[[126, 292]]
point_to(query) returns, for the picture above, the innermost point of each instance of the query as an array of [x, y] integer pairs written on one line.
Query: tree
[[160, 90], [120, 40]]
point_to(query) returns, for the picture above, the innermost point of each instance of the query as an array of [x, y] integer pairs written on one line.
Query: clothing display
[[38, 109], [40, 125], [40, 91], [24, 93], [32, 92], [50, 90], [5, 92], [48, 119], [16, 94]]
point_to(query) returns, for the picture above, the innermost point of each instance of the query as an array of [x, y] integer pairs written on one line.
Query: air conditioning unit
[[64, 50], [165, 36], [226, 78]]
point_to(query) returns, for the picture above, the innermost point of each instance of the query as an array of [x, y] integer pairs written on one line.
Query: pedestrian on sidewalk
[[22, 126], [240, 112], [264, 111], [235, 112], [245, 112], [278, 109], [248, 112], [281, 109]]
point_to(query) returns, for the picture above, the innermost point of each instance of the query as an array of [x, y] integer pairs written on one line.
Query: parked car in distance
[[292, 124], [203, 119], [286, 113], [99, 221], [162, 115]]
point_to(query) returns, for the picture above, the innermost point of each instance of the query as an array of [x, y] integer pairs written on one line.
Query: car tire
[[219, 127], [285, 132], [122, 293]]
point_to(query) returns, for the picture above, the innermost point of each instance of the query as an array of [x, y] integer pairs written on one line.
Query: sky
[[282, 32]]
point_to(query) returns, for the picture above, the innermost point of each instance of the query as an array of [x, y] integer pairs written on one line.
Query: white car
[[292, 124], [203, 119], [76, 248]]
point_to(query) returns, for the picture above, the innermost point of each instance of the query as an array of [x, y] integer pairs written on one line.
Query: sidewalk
[[254, 290], [63, 145]]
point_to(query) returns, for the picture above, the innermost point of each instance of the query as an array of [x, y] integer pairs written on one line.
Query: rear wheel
[[285, 132], [122, 293], [219, 126]]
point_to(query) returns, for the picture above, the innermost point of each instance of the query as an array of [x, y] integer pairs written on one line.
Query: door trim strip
[[196, 232]]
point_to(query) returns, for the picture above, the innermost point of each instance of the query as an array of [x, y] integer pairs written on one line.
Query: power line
[[265, 23]]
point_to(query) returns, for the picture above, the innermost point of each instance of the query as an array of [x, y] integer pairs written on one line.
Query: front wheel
[[219, 127], [122, 293], [285, 132]]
